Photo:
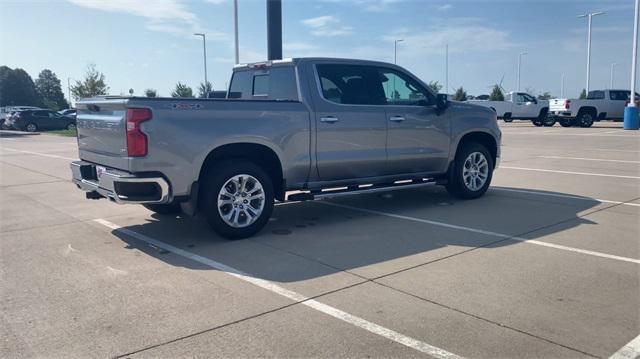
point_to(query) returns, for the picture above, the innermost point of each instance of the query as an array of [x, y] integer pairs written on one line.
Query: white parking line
[[39, 154], [564, 196], [587, 159], [296, 297], [568, 172], [610, 150], [488, 233], [629, 351]]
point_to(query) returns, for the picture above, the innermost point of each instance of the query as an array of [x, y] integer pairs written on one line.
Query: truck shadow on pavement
[[314, 239]]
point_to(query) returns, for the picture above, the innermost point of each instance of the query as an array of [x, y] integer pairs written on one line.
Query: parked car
[[309, 125], [71, 112], [35, 120], [8, 111], [599, 105], [519, 105]]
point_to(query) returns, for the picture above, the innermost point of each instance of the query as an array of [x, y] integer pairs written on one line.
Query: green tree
[[92, 85], [545, 96], [496, 94], [49, 89], [182, 90], [17, 88], [203, 90], [151, 93], [583, 94], [434, 86], [460, 95]]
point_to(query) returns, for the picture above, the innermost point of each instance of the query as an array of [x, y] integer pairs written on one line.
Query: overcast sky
[[150, 44]]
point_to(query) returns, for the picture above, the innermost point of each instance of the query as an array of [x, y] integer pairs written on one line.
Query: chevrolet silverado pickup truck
[[599, 105], [519, 105], [296, 129]]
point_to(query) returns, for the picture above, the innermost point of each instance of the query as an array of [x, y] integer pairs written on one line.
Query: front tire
[[237, 199], [471, 173], [507, 118]]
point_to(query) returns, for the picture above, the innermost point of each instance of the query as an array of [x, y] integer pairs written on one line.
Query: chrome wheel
[[31, 127], [241, 201], [475, 171]]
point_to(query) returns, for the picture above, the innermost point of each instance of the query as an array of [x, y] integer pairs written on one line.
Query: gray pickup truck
[[298, 129]]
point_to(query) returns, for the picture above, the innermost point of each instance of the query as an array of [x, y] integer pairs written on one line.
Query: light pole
[[69, 89], [395, 50], [519, 66], [235, 29], [204, 47], [446, 68], [589, 16], [562, 86], [613, 66], [631, 120]]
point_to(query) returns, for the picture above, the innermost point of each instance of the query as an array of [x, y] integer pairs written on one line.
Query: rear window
[[595, 95], [278, 83]]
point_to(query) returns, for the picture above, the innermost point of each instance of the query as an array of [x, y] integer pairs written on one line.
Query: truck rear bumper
[[119, 186], [561, 114]]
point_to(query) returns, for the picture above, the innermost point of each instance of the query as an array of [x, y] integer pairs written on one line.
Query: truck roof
[[297, 60]]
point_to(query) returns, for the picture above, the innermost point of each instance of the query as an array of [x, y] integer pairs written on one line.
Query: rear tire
[[471, 173], [585, 119], [71, 126], [167, 208], [227, 199], [31, 127], [507, 118]]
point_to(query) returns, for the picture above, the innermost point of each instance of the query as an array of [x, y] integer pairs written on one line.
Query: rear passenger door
[[418, 135], [351, 125], [41, 119], [618, 100]]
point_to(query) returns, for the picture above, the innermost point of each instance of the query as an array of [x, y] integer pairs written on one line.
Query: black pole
[[274, 29]]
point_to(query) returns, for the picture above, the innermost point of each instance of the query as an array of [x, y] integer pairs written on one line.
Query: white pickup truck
[[519, 105], [599, 105]]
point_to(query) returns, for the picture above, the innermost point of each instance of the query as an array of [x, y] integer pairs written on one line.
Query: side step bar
[[360, 189]]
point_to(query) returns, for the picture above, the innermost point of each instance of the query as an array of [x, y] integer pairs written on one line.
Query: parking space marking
[[564, 196], [296, 297], [567, 172], [39, 154], [587, 159], [610, 150], [630, 351], [488, 233]]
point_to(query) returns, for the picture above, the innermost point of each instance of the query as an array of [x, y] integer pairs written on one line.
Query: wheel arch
[[484, 138], [260, 154]]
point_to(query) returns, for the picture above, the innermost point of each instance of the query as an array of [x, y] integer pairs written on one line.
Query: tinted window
[[400, 89], [596, 95], [41, 113], [277, 83], [350, 84], [619, 95]]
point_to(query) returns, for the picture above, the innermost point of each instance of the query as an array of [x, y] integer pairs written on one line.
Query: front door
[[418, 136], [350, 122]]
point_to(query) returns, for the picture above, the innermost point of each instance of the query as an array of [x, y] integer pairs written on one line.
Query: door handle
[[396, 118], [328, 119]]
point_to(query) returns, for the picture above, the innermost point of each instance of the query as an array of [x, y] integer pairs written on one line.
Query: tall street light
[[446, 68], [631, 117], [589, 16], [613, 66], [562, 86], [235, 30], [395, 50], [519, 66], [204, 47]]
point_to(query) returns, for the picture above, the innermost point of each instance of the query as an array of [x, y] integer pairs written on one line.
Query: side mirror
[[441, 102]]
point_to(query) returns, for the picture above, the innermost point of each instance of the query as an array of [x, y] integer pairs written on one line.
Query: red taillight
[[136, 139], [567, 104]]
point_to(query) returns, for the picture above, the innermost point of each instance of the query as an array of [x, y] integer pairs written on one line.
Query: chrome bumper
[[112, 184]]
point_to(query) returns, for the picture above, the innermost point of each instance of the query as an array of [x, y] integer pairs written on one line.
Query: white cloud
[[377, 5], [327, 25], [216, 2], [169, 16], [461, 38], [444, 7]]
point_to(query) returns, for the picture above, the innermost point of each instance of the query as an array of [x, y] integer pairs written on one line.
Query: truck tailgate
[[556, 104], [102, 133]]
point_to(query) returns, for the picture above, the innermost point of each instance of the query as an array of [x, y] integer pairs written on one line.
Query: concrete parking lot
[[547, 264]]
